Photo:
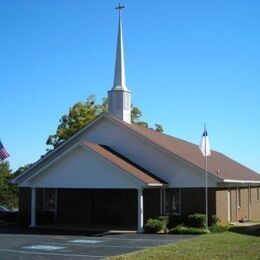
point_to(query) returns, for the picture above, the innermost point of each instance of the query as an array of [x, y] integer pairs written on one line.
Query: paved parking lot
[[26, 245]]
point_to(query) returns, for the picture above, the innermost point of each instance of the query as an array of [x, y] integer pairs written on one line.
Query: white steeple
[[119, 78], [119, 97]]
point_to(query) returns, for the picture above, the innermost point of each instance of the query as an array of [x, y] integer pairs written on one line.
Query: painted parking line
[[44, 247], [50, 254], [85, 241]]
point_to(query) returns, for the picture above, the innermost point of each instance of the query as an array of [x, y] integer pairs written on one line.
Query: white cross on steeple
[[119, 8]]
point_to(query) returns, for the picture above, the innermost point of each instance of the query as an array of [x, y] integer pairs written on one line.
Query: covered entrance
[[88, 185], [86, 207]]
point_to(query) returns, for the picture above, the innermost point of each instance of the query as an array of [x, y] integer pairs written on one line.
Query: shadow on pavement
[[13, 228]]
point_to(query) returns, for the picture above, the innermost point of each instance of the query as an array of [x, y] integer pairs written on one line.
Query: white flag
[[204, 144]]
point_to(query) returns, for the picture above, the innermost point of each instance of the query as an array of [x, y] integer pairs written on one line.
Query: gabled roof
[[119, 160], [219, 165]]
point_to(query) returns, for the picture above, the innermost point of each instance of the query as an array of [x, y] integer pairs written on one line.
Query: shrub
[[154, 226], [165, 221], [214, 220], [196, 220], [187, 230], [218, 228]]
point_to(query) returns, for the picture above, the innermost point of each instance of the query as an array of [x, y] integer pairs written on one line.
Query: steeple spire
[[119, 97], [119, 78]]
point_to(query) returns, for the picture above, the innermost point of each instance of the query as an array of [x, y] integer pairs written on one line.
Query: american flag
[[3, 153]]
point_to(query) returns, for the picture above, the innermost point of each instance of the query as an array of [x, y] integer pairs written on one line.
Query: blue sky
[[187, 62]]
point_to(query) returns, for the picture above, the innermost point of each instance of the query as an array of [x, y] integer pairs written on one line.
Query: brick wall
[[222, 205], [255, 204], [237, 212], [247, 210], [243, 208]]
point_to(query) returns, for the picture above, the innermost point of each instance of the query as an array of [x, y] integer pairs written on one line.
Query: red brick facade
[[243, 204]]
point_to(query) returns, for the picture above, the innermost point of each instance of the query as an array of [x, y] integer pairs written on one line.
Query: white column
[[140, 215], [33, 207]]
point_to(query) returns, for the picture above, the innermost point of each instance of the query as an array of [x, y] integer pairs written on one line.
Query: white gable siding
[[173, 170], [82, 168]]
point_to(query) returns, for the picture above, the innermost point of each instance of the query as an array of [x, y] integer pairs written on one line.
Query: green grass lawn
[[227, 245]]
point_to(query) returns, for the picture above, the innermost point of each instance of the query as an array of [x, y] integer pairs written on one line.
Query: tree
[[8, 192], [21, 169], [159, 128], [79, 115], [84, 112], [136, 115]]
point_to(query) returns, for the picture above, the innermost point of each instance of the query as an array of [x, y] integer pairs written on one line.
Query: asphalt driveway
[[23, 244]]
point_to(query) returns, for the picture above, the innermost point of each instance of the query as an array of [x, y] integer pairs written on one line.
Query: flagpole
[[206, 177]]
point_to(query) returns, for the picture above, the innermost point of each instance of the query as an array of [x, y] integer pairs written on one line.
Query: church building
[[118, 174]]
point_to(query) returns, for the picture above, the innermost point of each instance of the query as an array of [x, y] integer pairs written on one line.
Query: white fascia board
[[16, 179], [165, 150], [156, 184], [240, 181]]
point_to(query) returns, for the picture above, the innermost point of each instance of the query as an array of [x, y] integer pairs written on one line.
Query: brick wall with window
[[244, 204]]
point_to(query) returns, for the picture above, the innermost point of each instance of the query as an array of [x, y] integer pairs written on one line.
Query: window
[[49, 199], [172, 201], [258, 194]]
